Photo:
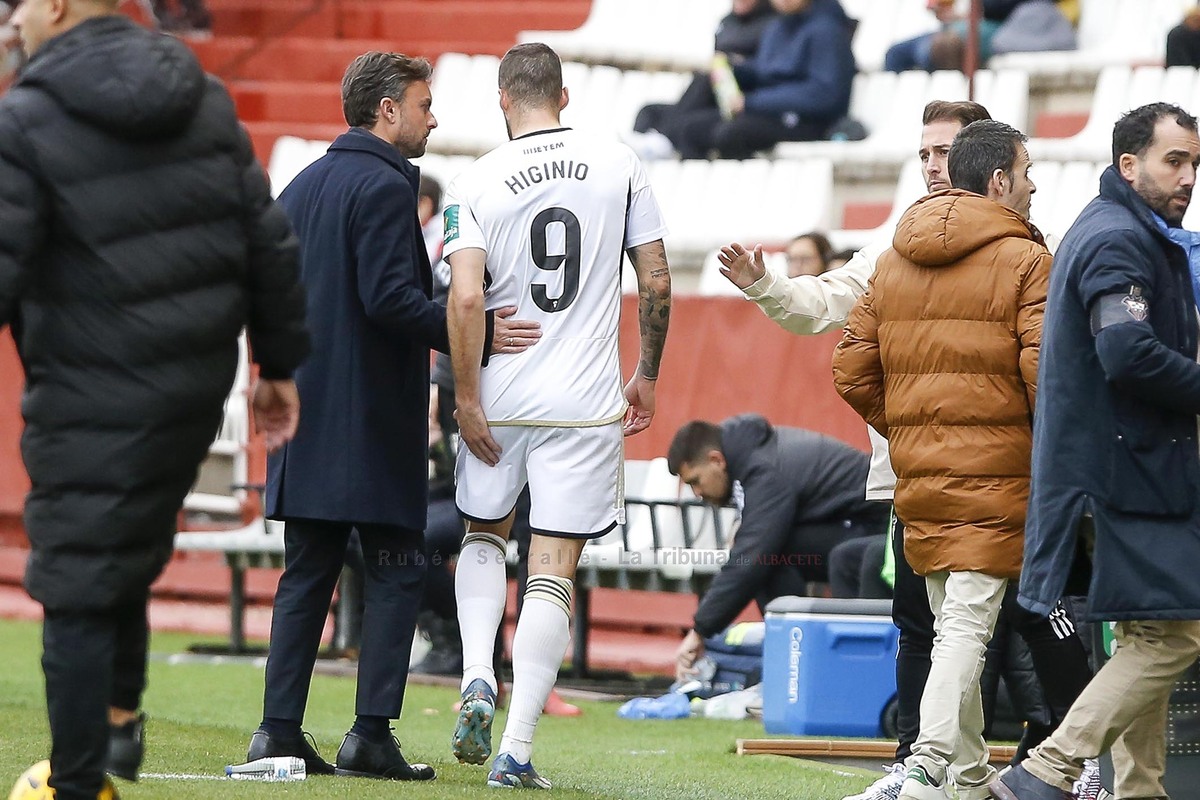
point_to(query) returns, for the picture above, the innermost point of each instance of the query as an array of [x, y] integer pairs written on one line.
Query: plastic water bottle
[[277, 768], [670, 706], [725, 85]]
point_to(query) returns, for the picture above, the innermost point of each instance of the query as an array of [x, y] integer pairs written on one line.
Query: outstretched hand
[[741, 266], [276, 407]]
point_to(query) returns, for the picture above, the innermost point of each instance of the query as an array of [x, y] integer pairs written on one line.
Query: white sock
[[543, 633], [480, 589]]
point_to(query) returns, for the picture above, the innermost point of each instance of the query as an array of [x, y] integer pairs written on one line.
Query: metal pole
[[971, 56]]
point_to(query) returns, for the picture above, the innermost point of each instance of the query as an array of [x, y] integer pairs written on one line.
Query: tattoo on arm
[[654, 304]]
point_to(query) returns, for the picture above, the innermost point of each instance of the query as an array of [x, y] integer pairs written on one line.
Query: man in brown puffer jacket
[[940, 356]]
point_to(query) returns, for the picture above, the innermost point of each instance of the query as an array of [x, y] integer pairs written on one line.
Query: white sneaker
[[886, 788], [920, 785], [1088, 786]]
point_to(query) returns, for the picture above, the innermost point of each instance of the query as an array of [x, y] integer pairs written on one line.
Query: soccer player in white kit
[[540, 223]]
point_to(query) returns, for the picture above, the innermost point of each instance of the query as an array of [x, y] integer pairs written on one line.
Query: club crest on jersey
[[1135, 304], [450, 218]]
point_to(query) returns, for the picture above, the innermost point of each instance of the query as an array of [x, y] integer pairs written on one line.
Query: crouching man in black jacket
[[137, 239], [799, 493]]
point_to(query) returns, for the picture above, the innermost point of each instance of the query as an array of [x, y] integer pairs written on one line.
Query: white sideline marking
[[180, 776]]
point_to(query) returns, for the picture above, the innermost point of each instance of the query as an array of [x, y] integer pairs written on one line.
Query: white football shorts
[[575, 478]]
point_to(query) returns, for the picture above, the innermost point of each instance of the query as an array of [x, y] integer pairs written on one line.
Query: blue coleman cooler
[[829, 666]]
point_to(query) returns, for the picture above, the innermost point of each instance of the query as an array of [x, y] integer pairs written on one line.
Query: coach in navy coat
[[1115, 457], [360, 452], [1115, 430], [359, 459]]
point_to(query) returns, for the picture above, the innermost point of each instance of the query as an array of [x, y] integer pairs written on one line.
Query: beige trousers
[[965, 607], [1124, 709]]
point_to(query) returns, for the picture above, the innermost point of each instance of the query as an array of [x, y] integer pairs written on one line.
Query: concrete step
[[285, 59], [403, 21], [288, 101]]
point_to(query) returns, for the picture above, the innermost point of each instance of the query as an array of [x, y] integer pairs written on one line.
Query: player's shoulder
[[606, 144]]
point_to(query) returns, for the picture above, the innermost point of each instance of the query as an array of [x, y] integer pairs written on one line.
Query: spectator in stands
[[737, 38], [137, 238], [808, 254], [955, 400], [795, 88], [1035, 26], [188, 18], [359, 462], [1183, 41], [916, 53], [1007, 26], [799, 494], [1115, 466]]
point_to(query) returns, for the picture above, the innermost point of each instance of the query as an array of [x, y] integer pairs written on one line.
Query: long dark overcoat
[[360, 452], [1115, 428]]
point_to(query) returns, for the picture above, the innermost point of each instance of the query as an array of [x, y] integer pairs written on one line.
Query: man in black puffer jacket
[[137, 239]]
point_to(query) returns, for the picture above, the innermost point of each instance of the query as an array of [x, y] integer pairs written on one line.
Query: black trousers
[[91, 661], [443, 540], [394, 565], [700, 133], [666, 117], [855, 566], [805, 557], [912, 615]]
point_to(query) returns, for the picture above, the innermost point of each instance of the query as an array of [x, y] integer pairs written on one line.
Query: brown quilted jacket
[[940, 356]]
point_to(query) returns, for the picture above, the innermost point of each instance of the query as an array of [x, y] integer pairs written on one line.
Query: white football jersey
[[555, 210]]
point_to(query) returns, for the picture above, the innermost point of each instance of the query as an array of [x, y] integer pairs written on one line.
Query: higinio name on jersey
[[552, 170]]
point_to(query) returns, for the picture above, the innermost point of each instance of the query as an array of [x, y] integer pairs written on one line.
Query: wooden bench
[[259, 544]]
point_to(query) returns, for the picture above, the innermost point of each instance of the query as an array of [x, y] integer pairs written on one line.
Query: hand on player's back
[[514, 335]]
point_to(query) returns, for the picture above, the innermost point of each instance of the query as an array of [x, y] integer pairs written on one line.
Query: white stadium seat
[[289, 156], [710, 203], [1119, 89], [882, 24]]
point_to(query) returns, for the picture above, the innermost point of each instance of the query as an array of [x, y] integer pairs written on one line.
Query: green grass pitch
[[202, 715]]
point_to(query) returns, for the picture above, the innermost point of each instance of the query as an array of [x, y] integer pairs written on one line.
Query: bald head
[[38, 21]]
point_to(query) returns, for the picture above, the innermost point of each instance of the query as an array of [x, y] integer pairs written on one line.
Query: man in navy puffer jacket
[[793, 89]]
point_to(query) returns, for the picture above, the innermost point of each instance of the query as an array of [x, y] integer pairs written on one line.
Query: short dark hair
[[980, 149], [691, 443], [964, 112], [429, 187], [1134, 131], [531, 74], [374, 76]]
